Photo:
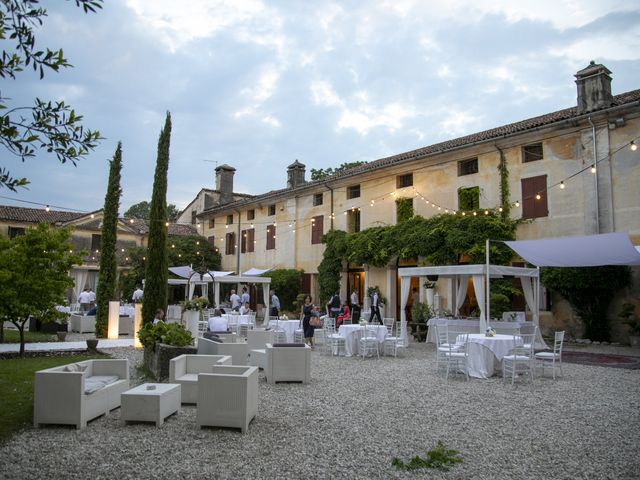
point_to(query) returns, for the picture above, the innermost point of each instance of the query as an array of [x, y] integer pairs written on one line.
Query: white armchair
[[288, 363], [239, 351], [258, 338], [75, 393], [184, 370], [228, 397]]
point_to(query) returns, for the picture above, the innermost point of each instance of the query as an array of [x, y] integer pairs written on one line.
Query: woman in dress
[[307, 310]]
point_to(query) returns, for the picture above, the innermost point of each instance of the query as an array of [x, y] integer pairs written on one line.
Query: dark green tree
[[34, 275], [320, 173], [331, 264], [589, 290], [142, 210], [287, 283], [156, 272], [53, 127], [108, 260]]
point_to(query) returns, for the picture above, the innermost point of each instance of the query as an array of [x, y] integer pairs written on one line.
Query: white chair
[[368, 344], [443, 345], [554, 357], [333, 340], [389, 322], [227, 397], [184, 370], [391, 344], [521, 359], [288, 363], [298, 334], [457, 356], [239, 351]]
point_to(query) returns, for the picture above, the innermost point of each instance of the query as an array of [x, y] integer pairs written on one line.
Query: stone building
[[571, 172]]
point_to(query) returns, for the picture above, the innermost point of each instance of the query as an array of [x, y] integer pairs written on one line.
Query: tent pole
[[488, 290]]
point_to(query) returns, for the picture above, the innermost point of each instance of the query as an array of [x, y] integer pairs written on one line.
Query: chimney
[[224, 183], [594, 88], [295, 174]]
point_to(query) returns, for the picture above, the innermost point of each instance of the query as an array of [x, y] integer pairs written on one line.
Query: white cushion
[[547, 355], [188, 377], [75, 367], [95, 383]]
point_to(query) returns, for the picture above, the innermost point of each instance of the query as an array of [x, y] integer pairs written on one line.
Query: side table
[[150, 402]]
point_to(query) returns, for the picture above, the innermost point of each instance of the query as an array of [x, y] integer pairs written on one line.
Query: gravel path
[[355, 416]]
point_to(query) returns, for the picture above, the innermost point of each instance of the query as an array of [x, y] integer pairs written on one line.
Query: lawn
[[13, 336], [16, 389]]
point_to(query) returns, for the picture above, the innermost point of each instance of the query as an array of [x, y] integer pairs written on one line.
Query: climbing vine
[[331, 264], [504, 187], [404, 209]]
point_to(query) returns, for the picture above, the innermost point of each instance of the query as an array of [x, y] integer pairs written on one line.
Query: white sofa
[[239, 351], [288, 363], [184, 371], [258, 338], [227, 397], [82, 323], [75, 393]]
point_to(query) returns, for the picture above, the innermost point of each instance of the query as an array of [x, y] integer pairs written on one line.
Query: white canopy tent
[[191, 278], [264, 281], [530, 278]]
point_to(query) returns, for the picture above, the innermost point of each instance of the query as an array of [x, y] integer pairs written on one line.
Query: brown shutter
[[532, 208], [243, 242], [317, 229], [271, 237], [251, 236]]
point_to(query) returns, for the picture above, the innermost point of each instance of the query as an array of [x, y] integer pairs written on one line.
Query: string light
[[593, 168], [633, 146], [562, 185], [538, 197], [47, 208], [517, 204]]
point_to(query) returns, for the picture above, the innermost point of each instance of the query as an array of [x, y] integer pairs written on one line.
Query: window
[[317, 199], [230, 244], [212, 222], [230, 219], [353, 191], [272, 209], [403, 181], [193, 217], [531, 153], [95, 242], [317, 229], [271, 237], [212, 240], [353, 220], [15, 232], [247, 243], [532, 188], [468, 199], [404, 209], [251, 214], [467, 167]]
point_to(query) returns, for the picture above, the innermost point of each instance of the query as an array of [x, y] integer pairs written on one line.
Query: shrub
[[168, 333], [287, 284], [439, 457]]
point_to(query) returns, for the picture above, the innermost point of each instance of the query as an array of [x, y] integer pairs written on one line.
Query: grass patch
[[13, 336], [439, 457], [16, 389]]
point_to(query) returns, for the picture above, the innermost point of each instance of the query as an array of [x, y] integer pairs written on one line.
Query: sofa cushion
[[94, 383], [289, 345], [75, 367], [188, 377], [216, 340], [210, 335]]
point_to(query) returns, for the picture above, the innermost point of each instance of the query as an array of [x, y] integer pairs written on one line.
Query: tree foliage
[[142, 210], [108, 259], [404, 209], [34, 274], [182, 250], [156, 274], [48, 126], [331, 264], [287, 284], [321, 173], [589, 290]]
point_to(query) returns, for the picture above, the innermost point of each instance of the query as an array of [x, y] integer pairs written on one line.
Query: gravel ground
[[355, 416]]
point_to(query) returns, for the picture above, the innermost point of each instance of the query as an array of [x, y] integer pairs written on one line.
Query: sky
[[258, 84]]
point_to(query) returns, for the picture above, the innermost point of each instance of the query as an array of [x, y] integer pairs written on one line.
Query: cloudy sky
[[257, 84]]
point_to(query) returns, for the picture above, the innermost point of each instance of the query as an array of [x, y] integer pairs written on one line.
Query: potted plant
[[162, 342], [628, 316], [192, 313], [420, 315]]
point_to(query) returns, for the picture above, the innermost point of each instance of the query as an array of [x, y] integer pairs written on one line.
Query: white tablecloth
[[470, 326], [63, 309], [127, 311], [486, 353], [289, 326], [348, 332]]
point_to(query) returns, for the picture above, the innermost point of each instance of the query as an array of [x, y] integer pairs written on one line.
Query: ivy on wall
[[404, 209], [505, 202], [331, 264], [469, 199]]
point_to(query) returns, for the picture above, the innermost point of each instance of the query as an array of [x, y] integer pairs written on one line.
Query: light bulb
[[517, 204], [593, 169], [562, 185], [500, 209], [633, 146], [47, 208], [538, 197]]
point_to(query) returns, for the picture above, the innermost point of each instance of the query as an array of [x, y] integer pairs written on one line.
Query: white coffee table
[[150, 402]]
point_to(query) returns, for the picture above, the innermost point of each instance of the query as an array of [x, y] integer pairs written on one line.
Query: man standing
[[84, 299], [92, 298], [275, 305], [235, 301], [375, 307], [354, 305], [244, 300], [137, 294]]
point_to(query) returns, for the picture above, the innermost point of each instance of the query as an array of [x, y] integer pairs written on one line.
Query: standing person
[[244, 299], [307, 311], [375, 307], [335, 305], [92, 298], [235, 301], [275, 305], [137, 294], [159, 316], [84, 299], [354, 305]]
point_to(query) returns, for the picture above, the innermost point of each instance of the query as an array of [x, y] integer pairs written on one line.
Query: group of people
[[87, 300]]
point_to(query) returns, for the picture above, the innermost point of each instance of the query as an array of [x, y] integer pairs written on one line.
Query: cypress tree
[[157, 269], [108, 263]]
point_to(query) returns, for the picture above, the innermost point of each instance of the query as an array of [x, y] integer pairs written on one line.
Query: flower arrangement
[[489, 332], [429, 284], [198, 304], [284, 317]]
